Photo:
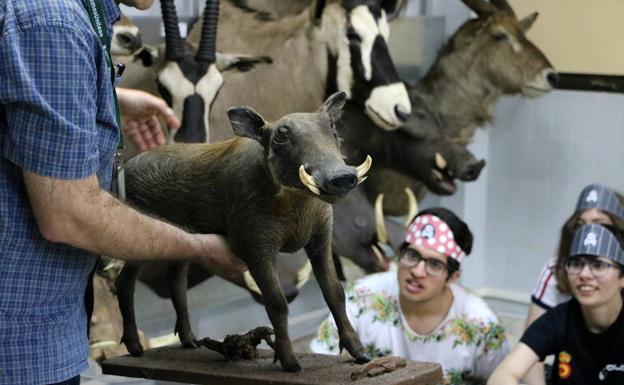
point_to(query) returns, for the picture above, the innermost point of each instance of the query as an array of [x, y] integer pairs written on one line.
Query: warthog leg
[[319, 252], [176, 281], [125, 294], [263, 270]]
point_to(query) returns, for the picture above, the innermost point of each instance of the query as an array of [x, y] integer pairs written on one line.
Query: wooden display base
[[203, 366]]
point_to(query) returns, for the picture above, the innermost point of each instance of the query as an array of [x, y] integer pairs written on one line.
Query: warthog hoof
[[362, 358], [134, 348]]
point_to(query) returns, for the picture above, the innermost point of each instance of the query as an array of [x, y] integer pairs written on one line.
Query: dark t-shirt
[[581, 357]]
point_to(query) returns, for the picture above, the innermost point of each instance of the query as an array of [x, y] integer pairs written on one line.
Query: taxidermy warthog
[[486, 58], [266, 193]]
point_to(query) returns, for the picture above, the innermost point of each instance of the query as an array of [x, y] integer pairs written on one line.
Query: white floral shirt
[[469, 343]]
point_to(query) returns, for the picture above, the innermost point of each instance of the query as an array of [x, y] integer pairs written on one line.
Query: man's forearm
[[79, 213]]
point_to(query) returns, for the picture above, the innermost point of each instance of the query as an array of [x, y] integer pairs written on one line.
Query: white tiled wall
[[540, 154]]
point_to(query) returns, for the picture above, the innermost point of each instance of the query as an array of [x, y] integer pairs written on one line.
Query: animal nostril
[[403, 116], [341, 184], [553, 78]]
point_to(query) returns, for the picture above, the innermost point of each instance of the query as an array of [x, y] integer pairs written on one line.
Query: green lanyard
[[94, 8]]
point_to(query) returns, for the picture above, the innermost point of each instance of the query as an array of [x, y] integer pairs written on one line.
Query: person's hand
[[140, 113], [220, 259]]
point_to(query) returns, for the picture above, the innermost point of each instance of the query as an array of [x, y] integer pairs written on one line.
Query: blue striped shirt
[[57, 119]]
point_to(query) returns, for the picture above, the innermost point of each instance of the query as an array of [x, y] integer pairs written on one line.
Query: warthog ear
[[246, 122], [334, 104], [528, 21]]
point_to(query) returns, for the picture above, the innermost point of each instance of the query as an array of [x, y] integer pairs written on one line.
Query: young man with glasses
[[419, 312], [586, 334]]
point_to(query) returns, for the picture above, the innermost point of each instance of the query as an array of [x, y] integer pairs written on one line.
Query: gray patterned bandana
[[598, 241], [600, 197]]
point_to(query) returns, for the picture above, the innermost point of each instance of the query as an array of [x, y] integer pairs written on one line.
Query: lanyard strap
[[94, 8]]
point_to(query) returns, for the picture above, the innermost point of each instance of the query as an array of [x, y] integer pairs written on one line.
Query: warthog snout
[[340, 184]]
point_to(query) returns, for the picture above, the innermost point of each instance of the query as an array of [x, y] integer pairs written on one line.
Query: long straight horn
[[174, 49], [503, 5], [208, 40], [480, 7]]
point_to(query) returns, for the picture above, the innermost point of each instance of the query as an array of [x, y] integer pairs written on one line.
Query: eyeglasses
[[411, 258], [598, 268]]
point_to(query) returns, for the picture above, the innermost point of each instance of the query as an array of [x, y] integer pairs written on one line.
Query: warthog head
[[302, 150], [496, 42]]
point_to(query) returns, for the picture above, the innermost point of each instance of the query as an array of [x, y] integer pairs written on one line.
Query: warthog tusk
[[440, 161], [360, 180], [378, 253], [309, 181], [412, 205], [250, 282], [437, 175], [364, 167], [303, 275], [380, 225]]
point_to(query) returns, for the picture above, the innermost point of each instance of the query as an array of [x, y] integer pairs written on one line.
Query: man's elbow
[[55, 228]]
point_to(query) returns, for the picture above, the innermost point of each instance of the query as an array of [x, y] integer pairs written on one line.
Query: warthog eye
[[281, 135], [499, 37]]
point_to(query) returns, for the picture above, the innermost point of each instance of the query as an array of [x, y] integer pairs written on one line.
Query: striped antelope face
[[496, 44], [189, 83], [364, 68]]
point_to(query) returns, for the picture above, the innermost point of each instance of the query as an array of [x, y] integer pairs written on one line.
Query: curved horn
[[480, 7], [250, 282], [413, 205], [208, 40], [303, 275], [503, 5], [380, 225], [174, 48], [441, 163]]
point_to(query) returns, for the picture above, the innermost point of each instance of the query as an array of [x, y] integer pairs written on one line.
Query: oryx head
[[496, 44], [356, 32], [301, 150], [189, 83]]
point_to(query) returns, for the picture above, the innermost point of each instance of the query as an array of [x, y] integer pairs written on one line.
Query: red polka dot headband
[[434, 234]]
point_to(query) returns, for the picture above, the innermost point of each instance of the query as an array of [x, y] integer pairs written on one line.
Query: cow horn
[[308, 181], [250, 282], [480, 7], [303, 275], [174, 48], [363, 169], [380, 225], [503, 5], [412, 205], [207, 42]]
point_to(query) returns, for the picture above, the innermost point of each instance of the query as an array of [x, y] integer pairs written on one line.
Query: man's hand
[[140, 113], [220, 259]]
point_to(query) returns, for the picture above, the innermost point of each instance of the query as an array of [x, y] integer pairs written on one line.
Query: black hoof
[[135, 349], [362, 358], [292, 367], [190, 344]]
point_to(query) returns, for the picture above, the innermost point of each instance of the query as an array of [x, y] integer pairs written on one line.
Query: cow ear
[[246, 122], [334, 104], [393, 8], [528, 21]]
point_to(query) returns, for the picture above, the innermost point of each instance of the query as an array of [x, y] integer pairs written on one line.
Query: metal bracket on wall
[[589, 82]]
